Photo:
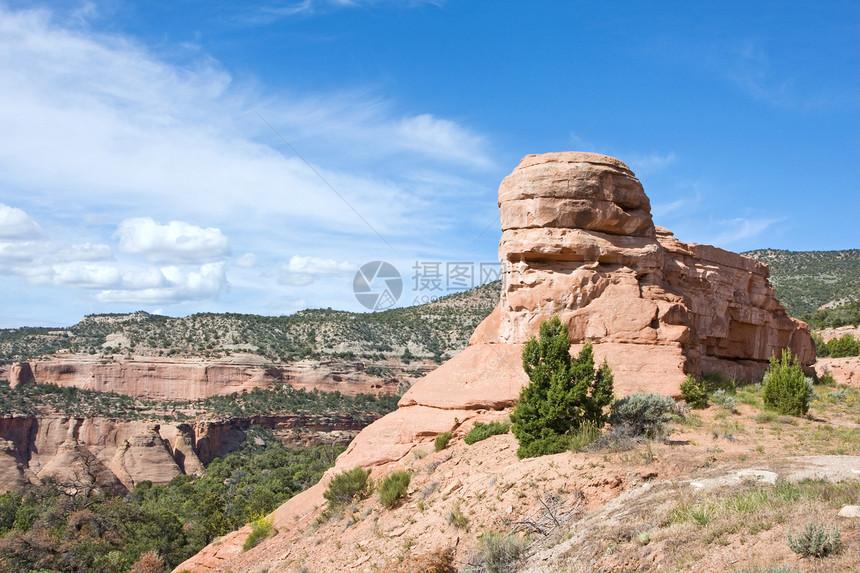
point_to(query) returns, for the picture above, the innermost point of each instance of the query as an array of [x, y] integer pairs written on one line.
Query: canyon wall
[[108, 453], [170, 379]]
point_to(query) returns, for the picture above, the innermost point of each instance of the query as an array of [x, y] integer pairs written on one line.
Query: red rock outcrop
[[578, 241], [65, 448], [158, 378], [20, 374]]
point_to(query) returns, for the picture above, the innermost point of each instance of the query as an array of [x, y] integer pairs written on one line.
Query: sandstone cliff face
[[166, 379], [20, 374], [104, 452], [578, 241]]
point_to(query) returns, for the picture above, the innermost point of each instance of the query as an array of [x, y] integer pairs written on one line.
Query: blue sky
[[148, 151]]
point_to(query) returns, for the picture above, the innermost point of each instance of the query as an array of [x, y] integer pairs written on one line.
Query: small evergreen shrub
[[815, 541], [827, 379], [842, 347], [563, 393], [821, 349], [442, 441], [644, 414], [348, 486], [785, 388], [393, 488], [481, 431], [694, 393], [261, 529]]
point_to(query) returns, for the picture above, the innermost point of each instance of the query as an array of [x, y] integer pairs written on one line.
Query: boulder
[[20, 373]]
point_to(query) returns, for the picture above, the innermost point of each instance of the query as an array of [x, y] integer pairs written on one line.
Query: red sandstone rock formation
[[33, 448], [158, 378], [20, 374], [578, 241]]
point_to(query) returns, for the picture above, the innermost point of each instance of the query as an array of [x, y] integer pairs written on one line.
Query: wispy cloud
[[645, 164], [274, 10], [132, 144], [734, 231], [750, 68]]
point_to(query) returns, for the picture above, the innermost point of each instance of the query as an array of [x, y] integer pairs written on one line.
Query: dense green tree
[[563, 392], [785, 388]]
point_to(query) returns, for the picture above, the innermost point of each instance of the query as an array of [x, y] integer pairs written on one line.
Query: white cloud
[[112, 131], [442, 138], [16, 224], [205, 283], [87, 275], [247, 261], [176, 241], [142, 135], [302, 271], [315, 266]]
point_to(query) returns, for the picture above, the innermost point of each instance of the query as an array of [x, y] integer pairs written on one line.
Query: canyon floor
[[700, 501]]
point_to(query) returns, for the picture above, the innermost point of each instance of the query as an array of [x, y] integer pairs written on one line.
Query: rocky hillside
[[577, 233], [436, 330], [808, 280]]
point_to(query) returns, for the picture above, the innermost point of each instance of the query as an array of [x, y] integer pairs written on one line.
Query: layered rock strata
[[104, 452], [158, 378], [578, 241]]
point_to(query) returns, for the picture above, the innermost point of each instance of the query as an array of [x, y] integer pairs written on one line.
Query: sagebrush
[[815, 541], [644, 414]]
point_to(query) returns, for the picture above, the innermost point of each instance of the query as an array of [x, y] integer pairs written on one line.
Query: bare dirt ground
[[701, 501]]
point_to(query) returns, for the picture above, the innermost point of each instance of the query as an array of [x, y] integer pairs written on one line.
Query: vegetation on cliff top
[[35, 399], [430, 331], [47, 529], [806, 281]]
